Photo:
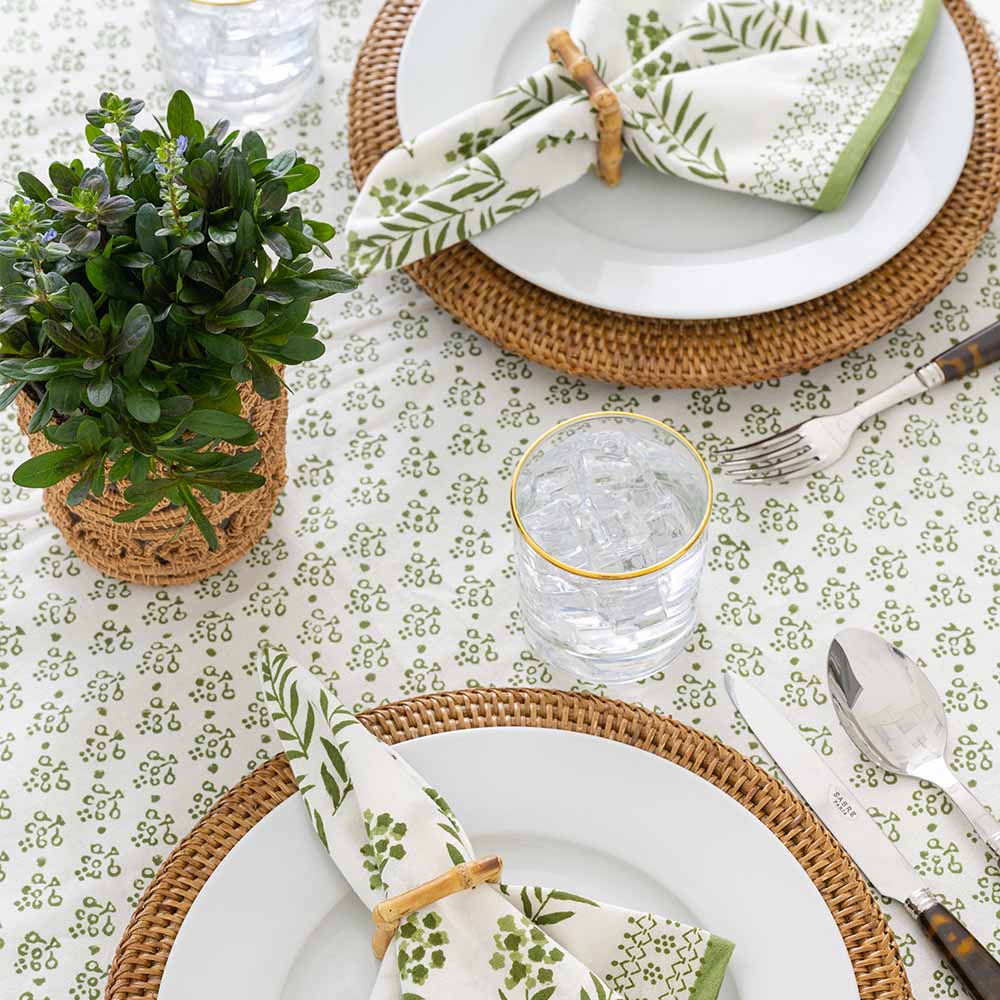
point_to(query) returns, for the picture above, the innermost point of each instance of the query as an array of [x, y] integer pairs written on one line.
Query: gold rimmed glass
[[249, 61], [611, 511]]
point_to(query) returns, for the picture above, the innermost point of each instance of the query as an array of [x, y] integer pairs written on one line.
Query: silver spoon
[[895, 717]]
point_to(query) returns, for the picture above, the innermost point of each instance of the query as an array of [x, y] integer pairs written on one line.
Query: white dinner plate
[[276, 921], [658, 246]]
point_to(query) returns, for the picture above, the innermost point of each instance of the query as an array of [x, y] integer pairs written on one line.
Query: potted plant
[[148, 306]]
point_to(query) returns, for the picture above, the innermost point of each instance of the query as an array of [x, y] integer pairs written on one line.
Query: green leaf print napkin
[[388, 832], [776, 99]]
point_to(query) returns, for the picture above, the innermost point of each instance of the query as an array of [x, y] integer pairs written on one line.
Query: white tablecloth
[[126, 711]]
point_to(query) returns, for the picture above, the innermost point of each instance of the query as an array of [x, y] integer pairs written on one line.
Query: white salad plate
[[276, 921], [662, 247]]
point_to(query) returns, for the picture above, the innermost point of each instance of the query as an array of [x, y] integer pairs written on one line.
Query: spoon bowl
[[885, 702], [895, 717]]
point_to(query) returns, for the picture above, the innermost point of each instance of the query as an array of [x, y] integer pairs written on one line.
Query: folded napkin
[[388, 832], [777, 99]]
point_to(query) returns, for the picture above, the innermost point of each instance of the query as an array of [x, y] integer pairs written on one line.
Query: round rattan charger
[[634, 350], [143, 951]]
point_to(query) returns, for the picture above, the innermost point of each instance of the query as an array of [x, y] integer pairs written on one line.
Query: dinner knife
[[859, 835]]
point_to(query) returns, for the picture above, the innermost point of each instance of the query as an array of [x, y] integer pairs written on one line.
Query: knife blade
[[860, 836], [828, 796]]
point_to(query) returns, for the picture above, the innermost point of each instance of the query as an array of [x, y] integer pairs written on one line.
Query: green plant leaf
[[33, 187], [42, 415], [240, 320], [82, 311], [231, 481], [63, 178], [198, 516], [217, 424], [147, 222], [300, 177], [271, 197], [99, 391], [223, 347], [253, 147], [282, 163], [67, 340], [238, 181], [136, 360], [265, 382], [236, 295], [49, 468], [299, 349], [65, 393], [200, 176], [246, 238], [322, 231], [106, 276], [136, 512], [180, 116], [143, 406], [9, 394], [81, 488], [136, 328]]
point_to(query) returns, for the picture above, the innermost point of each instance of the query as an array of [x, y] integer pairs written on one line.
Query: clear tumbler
[[250, 61], [611, 511]]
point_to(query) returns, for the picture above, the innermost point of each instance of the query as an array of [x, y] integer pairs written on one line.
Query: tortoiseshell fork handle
[[975, 352], [976, 967]]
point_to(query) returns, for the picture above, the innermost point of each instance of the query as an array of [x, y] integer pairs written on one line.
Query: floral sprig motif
[[385, 837], [523, 953], [421, 947], [644, 33]]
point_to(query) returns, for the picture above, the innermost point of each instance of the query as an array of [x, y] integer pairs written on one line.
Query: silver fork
[[819, 441]]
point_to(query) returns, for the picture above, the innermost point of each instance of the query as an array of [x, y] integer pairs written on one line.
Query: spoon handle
[[975, 966], [976, 813]]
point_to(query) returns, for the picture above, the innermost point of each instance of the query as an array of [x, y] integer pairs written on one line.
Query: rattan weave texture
[[633, 350], [145, 946]]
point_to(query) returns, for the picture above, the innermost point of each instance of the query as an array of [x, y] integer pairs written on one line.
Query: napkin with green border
[[387, 832], [777, 99]]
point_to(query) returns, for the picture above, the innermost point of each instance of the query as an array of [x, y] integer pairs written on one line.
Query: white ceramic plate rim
[[245, 932], [907, 179]]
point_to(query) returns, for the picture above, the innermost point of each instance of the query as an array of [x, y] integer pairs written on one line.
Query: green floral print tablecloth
[[126, 711]]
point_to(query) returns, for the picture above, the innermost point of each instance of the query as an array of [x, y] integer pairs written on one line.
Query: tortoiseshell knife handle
[[976, 967], [975, 352]]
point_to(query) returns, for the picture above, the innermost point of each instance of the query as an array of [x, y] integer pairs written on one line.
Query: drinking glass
[[250, 61], [611, 511]]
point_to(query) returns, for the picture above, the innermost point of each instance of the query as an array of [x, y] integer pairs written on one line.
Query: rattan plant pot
[[161, 549]]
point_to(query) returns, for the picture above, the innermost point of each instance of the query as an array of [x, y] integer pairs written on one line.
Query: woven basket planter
[[156, 549]]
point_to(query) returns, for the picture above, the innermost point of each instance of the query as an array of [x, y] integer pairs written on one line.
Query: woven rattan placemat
[[142, 954], [582, 340]]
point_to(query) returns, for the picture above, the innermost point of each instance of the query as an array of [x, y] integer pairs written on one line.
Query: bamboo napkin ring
[[610, 153], [390, 913]]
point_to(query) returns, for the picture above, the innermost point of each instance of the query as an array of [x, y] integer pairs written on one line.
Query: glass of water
[[611, 511], [250, 61]]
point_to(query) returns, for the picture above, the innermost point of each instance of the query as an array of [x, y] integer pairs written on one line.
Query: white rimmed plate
[[276, 921], [661, 247]]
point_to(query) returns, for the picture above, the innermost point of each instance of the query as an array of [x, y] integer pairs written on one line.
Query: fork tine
[[773, 459], [762, 449], [782, 473], [751, 446]]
